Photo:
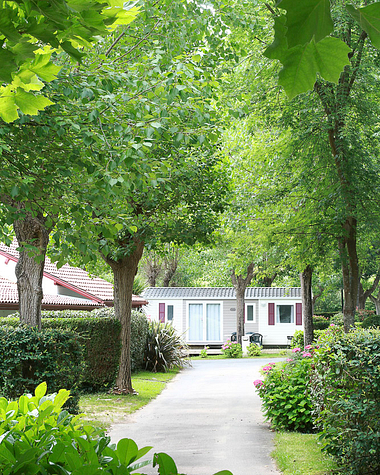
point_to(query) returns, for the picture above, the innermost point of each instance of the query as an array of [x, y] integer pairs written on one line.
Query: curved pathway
[[208, 419]]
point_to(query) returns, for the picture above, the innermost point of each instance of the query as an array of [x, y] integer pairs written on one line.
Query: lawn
[[281, 354], [300, 454], [104, 409]]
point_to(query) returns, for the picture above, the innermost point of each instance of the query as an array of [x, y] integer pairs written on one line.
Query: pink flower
[[332, 325], [267, 368], [294, 350], [257, 383], [306, 355], [289, 360], [307, 347]]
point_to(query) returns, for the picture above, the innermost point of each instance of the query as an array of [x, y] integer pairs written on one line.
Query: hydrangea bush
[[285, 392], [232, 349]]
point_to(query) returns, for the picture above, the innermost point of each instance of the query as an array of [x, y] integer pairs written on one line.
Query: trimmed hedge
[[346, 396], [29, 357], [371, 322], [99, 333]]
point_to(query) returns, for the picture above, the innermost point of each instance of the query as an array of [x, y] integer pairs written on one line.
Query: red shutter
[[270, 313], [298, 313], [161, 312]]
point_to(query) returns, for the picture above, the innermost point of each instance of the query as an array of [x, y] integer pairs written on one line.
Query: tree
[[31, 30]]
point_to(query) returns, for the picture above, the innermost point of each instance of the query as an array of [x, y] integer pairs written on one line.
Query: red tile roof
[[93, 288], [9, 295]]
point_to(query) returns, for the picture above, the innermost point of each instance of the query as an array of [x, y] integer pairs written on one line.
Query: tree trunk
[[171, 264], [240, 284], [31, 230], [307, 304], [124, 271], [365, 294], [267, 280], [350, 271], [153, 269], [376, 302]]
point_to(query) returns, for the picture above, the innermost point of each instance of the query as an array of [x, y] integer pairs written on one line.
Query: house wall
[[272, 334], [276, 334], [7, 270]]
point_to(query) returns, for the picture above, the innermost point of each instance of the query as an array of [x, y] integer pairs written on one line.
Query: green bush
[[298, 338], [29, 357], [285, 393], [254, 350], [232, 349], [320, 322], [37, 437], [362, 314], [99, 333], [371, 322], [164, 349], [337, 319], [346, 397]]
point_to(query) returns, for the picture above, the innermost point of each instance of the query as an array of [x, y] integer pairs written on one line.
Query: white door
[[205, 322]]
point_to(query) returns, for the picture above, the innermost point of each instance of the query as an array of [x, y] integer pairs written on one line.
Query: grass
[[104, 409], [300, 454], [222, 357]]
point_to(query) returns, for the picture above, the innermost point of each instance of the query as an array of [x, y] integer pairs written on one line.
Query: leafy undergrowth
[[300, 454], [223, 357], [104, 409]]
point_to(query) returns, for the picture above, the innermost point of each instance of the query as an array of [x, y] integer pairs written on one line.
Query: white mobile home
[[207, 315]]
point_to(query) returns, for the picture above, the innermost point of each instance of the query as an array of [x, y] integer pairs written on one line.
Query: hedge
[[99, 333], [346, 397], [29, 357]]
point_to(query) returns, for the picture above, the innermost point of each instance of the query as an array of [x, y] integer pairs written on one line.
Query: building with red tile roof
[[65, 288]]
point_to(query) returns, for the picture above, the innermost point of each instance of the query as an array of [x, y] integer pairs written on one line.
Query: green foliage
[[320, 322], [304, 47], [371, 322], [26, 26], [254, 350], [164, 349], [337, 319], [37, 437], [298, 338], [362, 314], [232, 349], [285, 394], [203, 353], [346, 388], [28, 357]]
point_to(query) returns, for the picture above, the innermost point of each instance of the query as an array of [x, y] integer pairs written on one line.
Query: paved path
[[208, 419]]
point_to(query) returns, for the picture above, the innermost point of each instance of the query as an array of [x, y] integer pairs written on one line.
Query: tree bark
[[31, 230], [350, 271], [153, 269], [124, 270], [365, 294], [307, 304], [171, 264], [376, 302], [240, 284]]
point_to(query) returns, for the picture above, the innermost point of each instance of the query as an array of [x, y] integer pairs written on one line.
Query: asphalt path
[[208, 418]]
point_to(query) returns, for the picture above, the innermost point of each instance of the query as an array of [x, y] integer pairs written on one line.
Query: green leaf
[[166, 465], [302, 63], [45, 69], [8, 65], [8, 108], [40, 390], [369, 19], [224, 472], [280, 44], [29, 103], [306, 20], [127, 451]]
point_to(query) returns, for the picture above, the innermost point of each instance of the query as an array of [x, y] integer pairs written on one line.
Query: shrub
[[164, 349], [204, 352], [99, 333], [285, 393], [371, 322], [337, 319], [298, 338], [254, 350], [37, 437], [320, 322], [232, 349], [29, 357], [346, 389], [362, 314]]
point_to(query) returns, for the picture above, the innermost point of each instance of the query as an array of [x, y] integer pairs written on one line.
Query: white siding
[[276, 334], [152, 312]]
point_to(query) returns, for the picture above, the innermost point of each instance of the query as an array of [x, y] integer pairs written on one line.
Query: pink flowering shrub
[[232, 349], [285, 394]]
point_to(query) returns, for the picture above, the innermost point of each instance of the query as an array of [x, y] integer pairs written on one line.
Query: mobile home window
[[285, 313], [250, 314], [170, 313]]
